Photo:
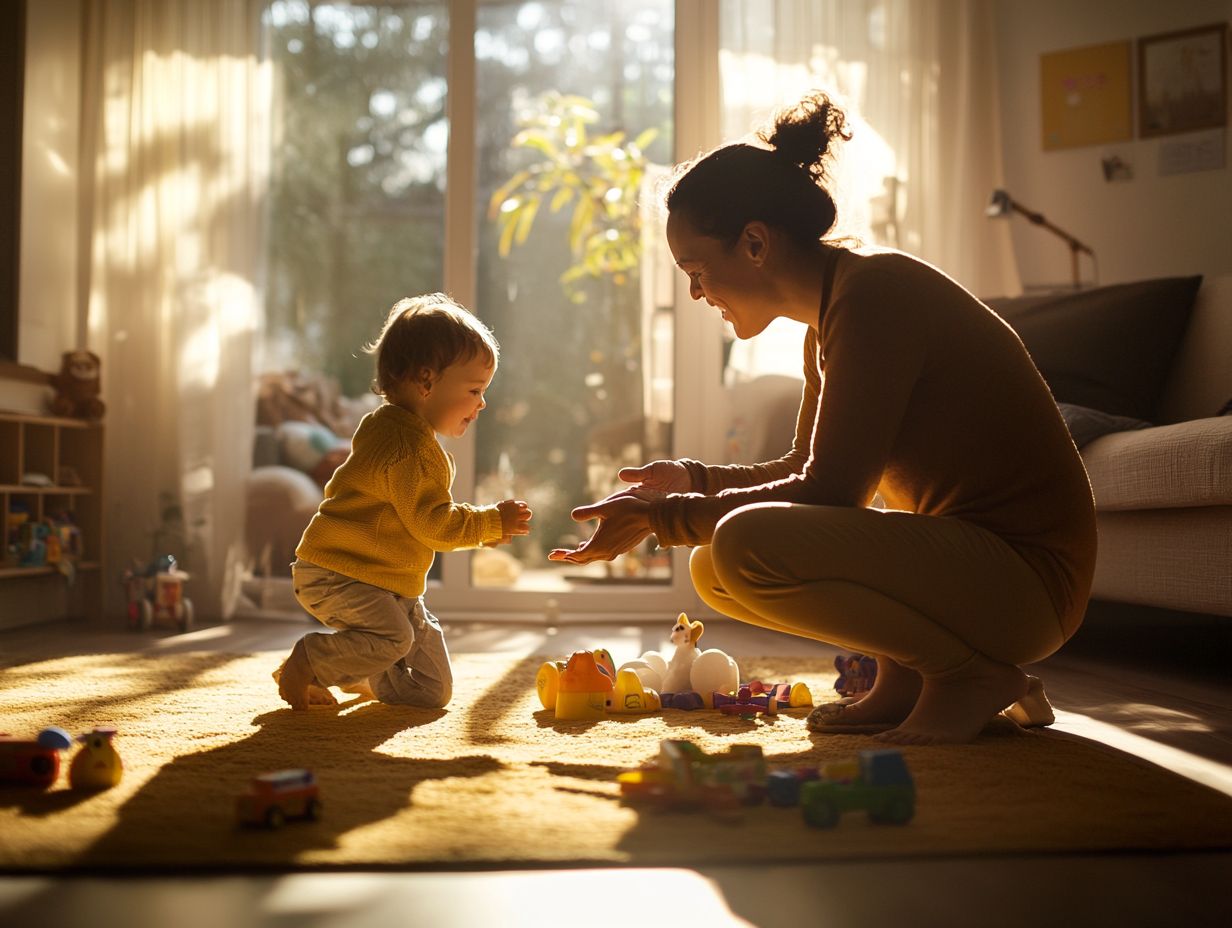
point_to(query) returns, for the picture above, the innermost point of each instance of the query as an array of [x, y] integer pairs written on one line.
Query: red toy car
[[272, 798], [33, 763]]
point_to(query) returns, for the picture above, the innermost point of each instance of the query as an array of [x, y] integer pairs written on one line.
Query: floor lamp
[[1002, 205]]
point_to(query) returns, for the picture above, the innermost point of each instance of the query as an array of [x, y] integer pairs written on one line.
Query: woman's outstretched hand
[[624, 521], [656, 479]]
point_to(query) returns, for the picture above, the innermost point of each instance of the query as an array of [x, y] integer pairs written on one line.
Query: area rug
[[495, 780]]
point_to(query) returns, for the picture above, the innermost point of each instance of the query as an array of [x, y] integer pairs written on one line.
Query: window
[[365, 208]]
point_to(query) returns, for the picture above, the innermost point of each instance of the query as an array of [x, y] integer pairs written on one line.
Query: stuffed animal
[[77, 386], [689, 671]]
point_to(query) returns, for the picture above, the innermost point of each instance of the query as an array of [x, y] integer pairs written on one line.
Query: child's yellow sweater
[[388, 508]]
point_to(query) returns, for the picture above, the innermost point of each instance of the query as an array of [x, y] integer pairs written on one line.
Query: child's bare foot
[[317, 695], [296, 677], [892, 697], [954, 706], [360, 688], [1033, 710]]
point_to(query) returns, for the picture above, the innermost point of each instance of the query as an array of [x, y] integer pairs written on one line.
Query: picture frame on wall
[[1183, 81], [1085, 96]]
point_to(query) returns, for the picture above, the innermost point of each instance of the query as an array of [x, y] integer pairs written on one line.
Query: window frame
[[697, 430]]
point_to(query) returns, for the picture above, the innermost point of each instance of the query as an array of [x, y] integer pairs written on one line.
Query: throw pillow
[[1086, 425], [1107, 348]]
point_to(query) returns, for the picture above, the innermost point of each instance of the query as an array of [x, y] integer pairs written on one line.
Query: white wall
[[1149, 226]]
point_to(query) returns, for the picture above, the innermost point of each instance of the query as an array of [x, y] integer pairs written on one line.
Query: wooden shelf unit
[[69, 453]]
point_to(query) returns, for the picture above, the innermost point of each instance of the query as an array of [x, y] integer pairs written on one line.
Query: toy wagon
[[156, 595]]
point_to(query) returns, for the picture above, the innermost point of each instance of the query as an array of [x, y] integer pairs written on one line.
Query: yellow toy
[[582, 689], [96, 765], [588, 685]]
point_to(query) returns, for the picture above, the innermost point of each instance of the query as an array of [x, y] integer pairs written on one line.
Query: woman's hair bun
[[802, 133]]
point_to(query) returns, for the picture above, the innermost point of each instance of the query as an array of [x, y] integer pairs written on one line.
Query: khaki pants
[[393, 642], [926, 591]]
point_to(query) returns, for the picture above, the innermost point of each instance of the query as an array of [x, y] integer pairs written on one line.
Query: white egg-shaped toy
[[713, 672], [651, 678], [657, 661]]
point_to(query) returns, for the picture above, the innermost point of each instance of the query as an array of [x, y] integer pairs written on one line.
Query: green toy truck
[[876, 781]]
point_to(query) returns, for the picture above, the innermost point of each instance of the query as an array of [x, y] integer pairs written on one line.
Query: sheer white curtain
[[174, 162], [919, 80]]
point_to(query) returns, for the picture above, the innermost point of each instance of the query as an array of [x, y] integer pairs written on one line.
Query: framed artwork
[[1183, 81], [1085, 96]]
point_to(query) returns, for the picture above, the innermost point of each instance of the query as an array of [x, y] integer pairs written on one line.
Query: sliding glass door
[[508, 153]]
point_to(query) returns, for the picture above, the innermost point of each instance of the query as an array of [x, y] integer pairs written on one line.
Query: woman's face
[[729, 279]]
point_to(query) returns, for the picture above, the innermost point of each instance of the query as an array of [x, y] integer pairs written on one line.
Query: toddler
[[363, 560]]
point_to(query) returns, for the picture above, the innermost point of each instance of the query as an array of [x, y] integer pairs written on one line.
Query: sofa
[[1150, 362], [1142, 373]]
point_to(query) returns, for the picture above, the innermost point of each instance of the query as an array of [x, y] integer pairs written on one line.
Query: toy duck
[[96, 765]]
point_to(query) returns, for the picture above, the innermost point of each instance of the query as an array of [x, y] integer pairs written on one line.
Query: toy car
[[156, 594], [686, 776], [272, 798], [877, 782], [33, 763]]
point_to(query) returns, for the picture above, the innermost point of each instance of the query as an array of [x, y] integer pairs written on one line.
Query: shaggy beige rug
[[495, 780]]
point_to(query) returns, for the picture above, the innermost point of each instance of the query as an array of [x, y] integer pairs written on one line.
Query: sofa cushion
[[1109, 348], [1200, 383], [1167, 467]]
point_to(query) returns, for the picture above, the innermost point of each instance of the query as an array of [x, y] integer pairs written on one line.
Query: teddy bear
[[77, 386]]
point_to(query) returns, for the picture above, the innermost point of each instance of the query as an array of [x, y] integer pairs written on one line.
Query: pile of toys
[[95, 766], [684, 776], [589, 685], [51, 542]]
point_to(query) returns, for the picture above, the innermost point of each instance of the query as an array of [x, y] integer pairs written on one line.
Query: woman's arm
[[709, 479], [874, 354]]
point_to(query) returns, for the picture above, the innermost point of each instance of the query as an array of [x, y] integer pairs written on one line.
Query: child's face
[[451, 400]]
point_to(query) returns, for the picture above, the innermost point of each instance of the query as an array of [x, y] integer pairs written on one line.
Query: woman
[[915, 391]]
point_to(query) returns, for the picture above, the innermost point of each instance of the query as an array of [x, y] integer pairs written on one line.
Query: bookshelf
[[51, 470]]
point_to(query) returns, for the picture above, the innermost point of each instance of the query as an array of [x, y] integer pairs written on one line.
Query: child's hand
[[515, 519]]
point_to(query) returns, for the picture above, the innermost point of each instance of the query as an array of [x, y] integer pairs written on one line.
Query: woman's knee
[[742, 539]]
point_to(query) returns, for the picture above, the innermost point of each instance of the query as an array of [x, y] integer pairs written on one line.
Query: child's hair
[[430, 331], [783, 184]]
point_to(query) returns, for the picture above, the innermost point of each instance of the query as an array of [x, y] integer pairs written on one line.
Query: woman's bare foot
[[295, 678], [955, 706], [1033, 710], [892, 697]]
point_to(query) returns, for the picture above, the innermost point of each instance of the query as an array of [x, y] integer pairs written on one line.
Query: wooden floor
[[1163, 693]]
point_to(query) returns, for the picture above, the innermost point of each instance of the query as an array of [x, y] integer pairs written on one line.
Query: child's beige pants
[[391, 641], [926, 591]]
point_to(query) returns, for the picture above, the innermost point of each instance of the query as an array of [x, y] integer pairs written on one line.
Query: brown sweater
[[931, 400]]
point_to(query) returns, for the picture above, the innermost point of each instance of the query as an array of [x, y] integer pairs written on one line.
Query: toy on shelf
[[856, 674], [96, 765], [77, 386], [685, 776], [156, 594], [273, 798], [876, 781], [689, 670], [33, 763]]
